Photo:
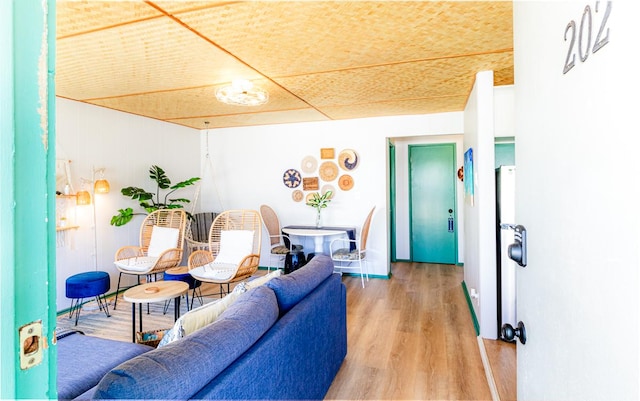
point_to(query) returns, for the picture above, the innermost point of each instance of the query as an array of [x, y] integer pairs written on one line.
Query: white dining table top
[[312, 232]]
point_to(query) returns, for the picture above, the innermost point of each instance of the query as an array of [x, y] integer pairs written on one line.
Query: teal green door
[[27, 207], [433, 203]]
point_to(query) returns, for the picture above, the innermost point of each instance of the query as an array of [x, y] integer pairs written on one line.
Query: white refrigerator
[[506, 268]]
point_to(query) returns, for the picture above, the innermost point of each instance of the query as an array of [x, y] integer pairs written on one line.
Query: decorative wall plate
[[327, 153], [345, 182], [309, 165], [328, 171], [328, 187], [310, 184], [291, 178], [309, 197], [297, 195], [348, 159]]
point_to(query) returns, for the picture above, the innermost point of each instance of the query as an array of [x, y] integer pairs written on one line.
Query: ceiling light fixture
[[242, 93]]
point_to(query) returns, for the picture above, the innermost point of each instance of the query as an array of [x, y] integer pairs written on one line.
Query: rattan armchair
[[161, 246], [278, 248], [234, 249]]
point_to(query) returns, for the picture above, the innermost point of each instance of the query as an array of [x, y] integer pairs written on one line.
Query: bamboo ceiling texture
[[319, 60]]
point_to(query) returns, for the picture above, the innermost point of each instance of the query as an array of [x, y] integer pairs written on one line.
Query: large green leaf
[[137, 193], [158, 175], [186, 183], [123, 217]]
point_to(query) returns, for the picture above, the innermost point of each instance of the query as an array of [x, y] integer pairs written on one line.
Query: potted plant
[[319, 202], [150, 201]]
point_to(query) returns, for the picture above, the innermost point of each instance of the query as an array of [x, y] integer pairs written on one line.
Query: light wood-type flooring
[[412, 338], [409, 338]]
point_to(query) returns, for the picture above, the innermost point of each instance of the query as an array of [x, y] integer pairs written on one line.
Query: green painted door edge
[[8, 338], [32, 97], [392, 199], [476, 325]]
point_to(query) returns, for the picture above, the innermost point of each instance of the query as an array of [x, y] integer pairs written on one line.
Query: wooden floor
[[409, 338], [412, 338]]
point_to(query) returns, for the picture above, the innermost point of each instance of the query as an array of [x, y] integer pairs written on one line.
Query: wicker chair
[[342, 249], [161, 246], [234, 249], [279, 249]]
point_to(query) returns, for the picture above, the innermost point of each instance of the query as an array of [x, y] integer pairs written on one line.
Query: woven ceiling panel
[[196, 102], [319, 60], [149, 56], [252, 119], [320, 36], [454, 76], [395, 108], [76, 17]]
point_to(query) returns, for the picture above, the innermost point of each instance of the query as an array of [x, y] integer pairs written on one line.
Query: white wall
[[248, 164], [126, 146], [480, 255], [577, 195], [503, 111]]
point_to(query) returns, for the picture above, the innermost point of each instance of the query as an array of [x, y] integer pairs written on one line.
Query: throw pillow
[[200, 317], [162, 238], [234, 246], [258, 281]]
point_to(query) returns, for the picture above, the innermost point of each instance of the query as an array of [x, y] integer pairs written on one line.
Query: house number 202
[[584, 48]]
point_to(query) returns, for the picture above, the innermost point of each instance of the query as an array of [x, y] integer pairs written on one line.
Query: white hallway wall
[[126, 146]]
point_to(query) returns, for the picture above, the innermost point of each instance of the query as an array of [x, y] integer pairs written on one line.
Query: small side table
[[157, 291]]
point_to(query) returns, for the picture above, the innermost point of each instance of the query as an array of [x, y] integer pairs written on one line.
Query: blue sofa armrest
[[83, 360]]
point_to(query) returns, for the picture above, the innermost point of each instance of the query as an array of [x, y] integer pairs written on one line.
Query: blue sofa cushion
[[182, 368], [291, 288], [79, 369]]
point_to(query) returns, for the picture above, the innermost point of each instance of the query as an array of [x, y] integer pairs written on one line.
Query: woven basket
[[151, 338]]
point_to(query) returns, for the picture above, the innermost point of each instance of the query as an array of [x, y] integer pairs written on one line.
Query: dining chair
[[278, 248], [161, 246], [234, 249], [342, 251]]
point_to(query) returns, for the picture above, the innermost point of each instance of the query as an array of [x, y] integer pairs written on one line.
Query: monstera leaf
[[150, 201]]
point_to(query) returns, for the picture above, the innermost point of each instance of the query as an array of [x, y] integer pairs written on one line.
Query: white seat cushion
[[138, 264], [162, 238], [214, 271]]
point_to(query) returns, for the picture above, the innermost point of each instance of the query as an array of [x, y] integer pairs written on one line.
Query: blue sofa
[[284, 340]]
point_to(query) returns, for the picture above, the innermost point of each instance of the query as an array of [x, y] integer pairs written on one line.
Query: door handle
[[450, 224]]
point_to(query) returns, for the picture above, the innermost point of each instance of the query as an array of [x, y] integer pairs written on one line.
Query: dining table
[[319, 234]]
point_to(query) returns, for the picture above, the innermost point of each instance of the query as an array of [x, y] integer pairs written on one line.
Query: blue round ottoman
[[181, 273], [87, 285]]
